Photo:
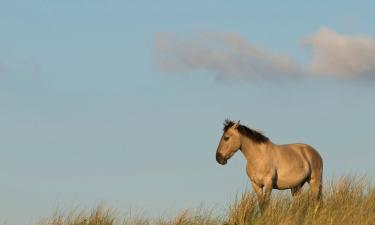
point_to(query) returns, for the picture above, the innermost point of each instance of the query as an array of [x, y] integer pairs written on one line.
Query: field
[[348, 200]]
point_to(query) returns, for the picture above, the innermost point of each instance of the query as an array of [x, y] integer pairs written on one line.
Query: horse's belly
[[291, 179], [292, 169], [287, 183]]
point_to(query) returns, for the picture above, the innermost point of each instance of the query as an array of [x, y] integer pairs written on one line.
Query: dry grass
[[349, 200]]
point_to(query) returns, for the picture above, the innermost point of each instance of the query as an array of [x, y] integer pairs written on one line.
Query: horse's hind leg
[[296, 190]]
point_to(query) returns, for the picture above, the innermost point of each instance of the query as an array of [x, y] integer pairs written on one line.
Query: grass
[[348, 200]]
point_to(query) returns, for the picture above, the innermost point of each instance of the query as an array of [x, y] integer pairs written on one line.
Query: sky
[[122, 102]]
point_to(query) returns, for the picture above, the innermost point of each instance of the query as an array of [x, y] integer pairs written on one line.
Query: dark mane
[[254, 135]]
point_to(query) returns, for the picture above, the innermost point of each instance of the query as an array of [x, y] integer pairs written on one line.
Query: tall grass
[[349, 200]]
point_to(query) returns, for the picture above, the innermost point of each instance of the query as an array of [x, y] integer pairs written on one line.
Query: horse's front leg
[[267, 191], [263, 194], [258, 192]]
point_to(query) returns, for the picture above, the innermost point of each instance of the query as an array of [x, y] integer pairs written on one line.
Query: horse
[[272, 166]]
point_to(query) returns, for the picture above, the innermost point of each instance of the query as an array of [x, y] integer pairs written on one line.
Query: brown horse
[[271, 166]]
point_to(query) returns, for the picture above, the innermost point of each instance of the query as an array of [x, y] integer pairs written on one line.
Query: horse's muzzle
[[221, 159]]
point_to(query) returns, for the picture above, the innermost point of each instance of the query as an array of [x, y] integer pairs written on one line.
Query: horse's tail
[[320, 191], [319, 178], [316, 176]]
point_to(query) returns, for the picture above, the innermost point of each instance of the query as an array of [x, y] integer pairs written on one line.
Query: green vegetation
[[349, 200]]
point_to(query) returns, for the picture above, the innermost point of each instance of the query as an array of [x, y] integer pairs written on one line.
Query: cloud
[[339, 55], [225, 54], [228, 55]]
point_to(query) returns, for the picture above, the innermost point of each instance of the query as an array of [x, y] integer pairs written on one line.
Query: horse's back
[[306, 151]]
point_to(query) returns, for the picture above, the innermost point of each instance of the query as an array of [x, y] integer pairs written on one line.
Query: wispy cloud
[[225, 54], [228, 55], [19, 67], [3, 68]]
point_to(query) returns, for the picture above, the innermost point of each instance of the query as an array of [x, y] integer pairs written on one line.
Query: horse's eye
[[226, 138]]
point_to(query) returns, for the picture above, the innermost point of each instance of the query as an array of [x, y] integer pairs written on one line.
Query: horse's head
[[230, 142]]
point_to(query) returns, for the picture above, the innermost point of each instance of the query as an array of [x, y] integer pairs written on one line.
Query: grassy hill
[[348, 200]]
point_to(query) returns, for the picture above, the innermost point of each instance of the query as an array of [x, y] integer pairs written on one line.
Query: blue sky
[[89, 114]]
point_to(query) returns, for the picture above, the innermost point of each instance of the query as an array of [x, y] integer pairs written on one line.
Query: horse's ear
[[236, 125]]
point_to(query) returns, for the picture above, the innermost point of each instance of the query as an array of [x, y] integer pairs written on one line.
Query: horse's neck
[[253, 151]]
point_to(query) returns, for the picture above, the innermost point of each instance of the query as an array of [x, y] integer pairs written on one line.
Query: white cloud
[[340, 55], [229, 55]]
